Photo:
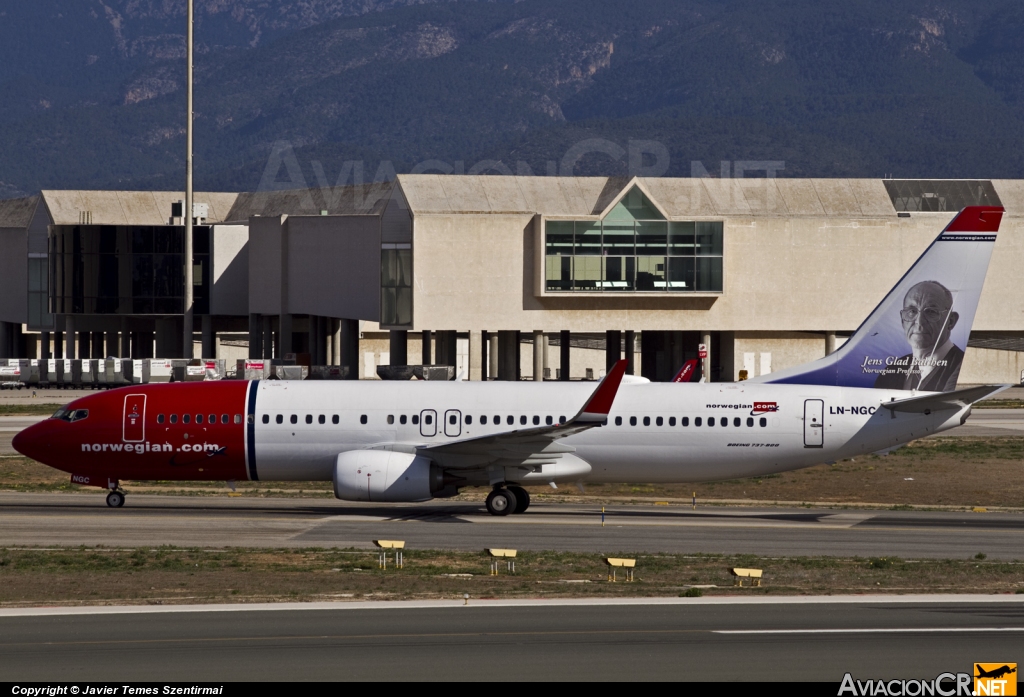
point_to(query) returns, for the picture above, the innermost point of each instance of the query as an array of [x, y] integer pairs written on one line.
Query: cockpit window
[[65, 414]]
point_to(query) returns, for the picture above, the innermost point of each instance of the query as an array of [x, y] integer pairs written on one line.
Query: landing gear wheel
[[522, 498], [115, 499], [501, 502]]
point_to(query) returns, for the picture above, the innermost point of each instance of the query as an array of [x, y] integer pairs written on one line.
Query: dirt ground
[[97, 576], [968, 472]]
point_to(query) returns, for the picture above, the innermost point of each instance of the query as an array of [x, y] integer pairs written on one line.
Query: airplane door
[[814, 423], [133, 426], [428, 423], [452, 423]]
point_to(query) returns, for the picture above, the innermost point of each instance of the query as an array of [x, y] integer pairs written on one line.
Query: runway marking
[[527, 602], [879, 630]]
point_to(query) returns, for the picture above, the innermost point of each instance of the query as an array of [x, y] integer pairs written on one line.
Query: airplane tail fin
[[915, 339], [685, 373]]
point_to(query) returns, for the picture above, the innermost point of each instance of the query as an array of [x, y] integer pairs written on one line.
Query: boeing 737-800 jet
[[892, 382]]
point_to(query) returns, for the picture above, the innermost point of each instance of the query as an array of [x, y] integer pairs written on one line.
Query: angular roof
[[361, 199], [678, 197], [17, 212], [129, 207]]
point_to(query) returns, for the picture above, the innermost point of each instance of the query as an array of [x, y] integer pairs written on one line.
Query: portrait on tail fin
[[933, 364]]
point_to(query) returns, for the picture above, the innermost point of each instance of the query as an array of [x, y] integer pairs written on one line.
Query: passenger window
[[362, 419], [647, 421], [224, 418], [266, 418], [251, 418], [764, 422], [174, 418], [561, 419], [497, 421], [696, 421], [238, 418], [309, 418], [549, 420], [522, 420], [618, 420], [415, 419], [402, 419], [391, 419], [294, 419], [321, 419], [453, 419], [711, 421], [483, 420], [212, 419], [685, 421], [671, 421], [159, 418], [510, 420], [427, 419], [280, 418], [469, 420], [335, 419], [737, 422], [750, 421], [199, 418], [185, 418], [632, 421], [536, 420]]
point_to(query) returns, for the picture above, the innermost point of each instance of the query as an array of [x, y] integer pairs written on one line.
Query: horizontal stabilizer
[[939, 401]]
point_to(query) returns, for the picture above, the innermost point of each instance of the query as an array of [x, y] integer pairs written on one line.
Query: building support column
[[335, 341], [564, 354], [255, 336], [538, 355], [630, 352], [349, 331], [45, 353], [268, 336], [446, 347], [112, 345], [126, 340], [209, 337], [399, 347], [69, 335], [492, 355], [830, 343], [508, 355], [613, 348], [58, 344], [705, 338], [84, 345], [476, 355], [6, 339], [284, 330], [426, 354]]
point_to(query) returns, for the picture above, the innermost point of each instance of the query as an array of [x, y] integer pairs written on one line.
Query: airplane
[[685, 373], [995, 673], [892, 382]]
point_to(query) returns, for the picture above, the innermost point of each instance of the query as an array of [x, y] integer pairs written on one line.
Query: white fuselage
[[757, 428]]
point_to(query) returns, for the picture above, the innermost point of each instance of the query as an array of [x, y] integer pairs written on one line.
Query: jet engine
[[383, 475]]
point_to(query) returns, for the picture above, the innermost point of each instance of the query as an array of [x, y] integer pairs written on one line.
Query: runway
[[725, 639], [83, 519]]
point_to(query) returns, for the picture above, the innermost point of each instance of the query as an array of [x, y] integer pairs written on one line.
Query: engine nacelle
[[382, 475]]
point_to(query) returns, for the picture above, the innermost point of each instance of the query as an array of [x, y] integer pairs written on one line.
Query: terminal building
[[502, 277]]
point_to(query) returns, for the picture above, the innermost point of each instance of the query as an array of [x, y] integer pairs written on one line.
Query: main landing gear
[[514, 499]]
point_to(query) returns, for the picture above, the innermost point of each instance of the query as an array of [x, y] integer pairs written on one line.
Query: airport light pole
[[187, 319]]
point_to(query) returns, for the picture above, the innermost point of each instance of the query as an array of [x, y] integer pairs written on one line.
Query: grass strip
[[98, 576]]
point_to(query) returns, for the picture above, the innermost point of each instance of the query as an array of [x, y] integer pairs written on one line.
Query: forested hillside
[[92, 91]]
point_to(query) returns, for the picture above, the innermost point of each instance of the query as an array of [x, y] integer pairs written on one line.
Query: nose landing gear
[[115, 499]]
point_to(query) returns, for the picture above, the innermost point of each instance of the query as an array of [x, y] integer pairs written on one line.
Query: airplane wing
[[530, 446], [938, 401]]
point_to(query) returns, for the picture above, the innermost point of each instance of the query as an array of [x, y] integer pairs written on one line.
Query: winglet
[[600, 402]]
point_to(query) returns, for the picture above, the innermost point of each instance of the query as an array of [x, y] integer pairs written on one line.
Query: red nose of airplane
[[34, 441]]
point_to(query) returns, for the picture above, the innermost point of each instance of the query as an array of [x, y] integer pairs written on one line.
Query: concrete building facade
[[514, 275]]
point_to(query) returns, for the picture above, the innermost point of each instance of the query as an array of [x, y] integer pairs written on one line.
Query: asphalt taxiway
[[707, 639], [84, 519]]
